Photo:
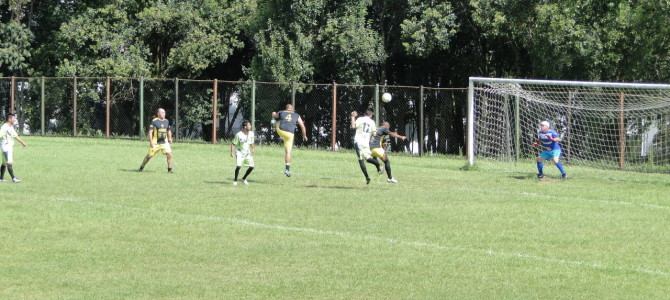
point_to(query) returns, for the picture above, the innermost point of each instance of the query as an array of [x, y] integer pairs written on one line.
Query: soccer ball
[[386, 97]]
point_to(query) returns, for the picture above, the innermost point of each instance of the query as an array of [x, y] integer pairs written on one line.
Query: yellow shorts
[[378, 152], [163, 148], [287, 137]]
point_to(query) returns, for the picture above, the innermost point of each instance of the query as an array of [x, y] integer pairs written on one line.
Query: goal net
[[609, 125]]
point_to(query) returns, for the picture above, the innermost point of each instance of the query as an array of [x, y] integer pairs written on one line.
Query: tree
[[15, 41]]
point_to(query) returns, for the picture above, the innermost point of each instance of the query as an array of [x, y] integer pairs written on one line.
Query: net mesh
[[80, 106], [617, 126]]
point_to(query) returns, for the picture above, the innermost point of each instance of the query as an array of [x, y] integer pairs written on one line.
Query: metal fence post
[[517, 127], [622, 132], [74, 106], [108, 88], [377, 104], [176, 107], [333, 136], [471, 124], [214, 110], [12, 94], [421, 121], [141, 106], [253, 104], [42, 103]]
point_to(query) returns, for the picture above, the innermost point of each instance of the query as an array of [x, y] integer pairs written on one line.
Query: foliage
[[15, 41]]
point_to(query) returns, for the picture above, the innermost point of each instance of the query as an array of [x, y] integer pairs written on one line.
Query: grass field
[[84, 225]]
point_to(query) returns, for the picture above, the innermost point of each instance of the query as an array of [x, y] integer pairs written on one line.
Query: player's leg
[[363, 155], [287, 137], [239, 159], [374, 162], [3, 168], [377, 153], [250, 161], [8, 161], [559, 165], [540, 166], [237, 173], [387, 167], [364, 169], [170, 158], [152, 152]]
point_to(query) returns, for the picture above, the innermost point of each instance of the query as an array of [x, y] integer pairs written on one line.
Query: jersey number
[[366, 127], [288, 118]]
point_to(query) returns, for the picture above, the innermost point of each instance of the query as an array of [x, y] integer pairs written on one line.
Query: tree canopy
[[434, 42]]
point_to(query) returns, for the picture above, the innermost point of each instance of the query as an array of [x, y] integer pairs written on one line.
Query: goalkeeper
[[548, 140]]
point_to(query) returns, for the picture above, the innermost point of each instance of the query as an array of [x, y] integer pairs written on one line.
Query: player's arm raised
[[396, 135], [353, 119]]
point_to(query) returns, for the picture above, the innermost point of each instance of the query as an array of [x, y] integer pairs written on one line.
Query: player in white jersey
[[365, 128], [244, 150], [7, 136]]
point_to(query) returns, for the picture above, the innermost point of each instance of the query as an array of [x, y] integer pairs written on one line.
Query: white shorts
[[363, 151], [244, 157], [7, 156]]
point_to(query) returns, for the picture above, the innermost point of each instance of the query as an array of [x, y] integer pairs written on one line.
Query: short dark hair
[[370, 110], [9, 115], [245, 122]]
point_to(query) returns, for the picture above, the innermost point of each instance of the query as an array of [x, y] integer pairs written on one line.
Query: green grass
[[85, 225]]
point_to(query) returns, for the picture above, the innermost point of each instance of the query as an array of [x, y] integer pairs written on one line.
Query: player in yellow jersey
[[160, 138], [285, 125], [377, 145]]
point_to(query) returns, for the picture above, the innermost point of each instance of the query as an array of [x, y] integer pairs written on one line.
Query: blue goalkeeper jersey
[[547, 143]]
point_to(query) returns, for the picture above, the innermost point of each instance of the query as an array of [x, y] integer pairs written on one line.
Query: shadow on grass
[[218, 182], [333, 187], [524, 176], [136, 171]]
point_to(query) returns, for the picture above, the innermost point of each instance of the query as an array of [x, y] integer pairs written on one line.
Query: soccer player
[[285, 127], [245, 148], [365, 126], [160, 138], [7, 136], [378, 151], [548, 139]]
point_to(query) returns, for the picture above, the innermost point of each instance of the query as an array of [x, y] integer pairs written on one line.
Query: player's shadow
[[523, 176], [135, 171], [333, 187], [218, 181]]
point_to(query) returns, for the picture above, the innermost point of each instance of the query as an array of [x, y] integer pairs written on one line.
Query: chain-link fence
[[432, 119]]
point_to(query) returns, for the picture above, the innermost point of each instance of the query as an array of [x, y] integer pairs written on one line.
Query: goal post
[[604, 124]]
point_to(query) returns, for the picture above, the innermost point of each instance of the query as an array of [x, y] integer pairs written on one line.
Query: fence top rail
[[447, 89], [290, 83], [572, 83]]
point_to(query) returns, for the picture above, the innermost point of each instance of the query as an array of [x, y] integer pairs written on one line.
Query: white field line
[[412, 244]]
